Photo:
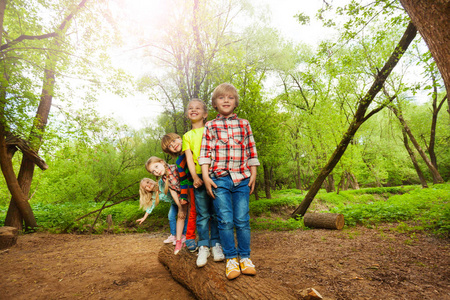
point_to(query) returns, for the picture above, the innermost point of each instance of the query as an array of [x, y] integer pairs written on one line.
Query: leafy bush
[[429, 206]]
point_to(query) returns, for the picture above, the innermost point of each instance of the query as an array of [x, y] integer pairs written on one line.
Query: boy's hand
[[209, 183], [197, 182], [140, 220]]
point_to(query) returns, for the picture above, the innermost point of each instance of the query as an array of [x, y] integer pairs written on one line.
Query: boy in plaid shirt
[[229, 160]]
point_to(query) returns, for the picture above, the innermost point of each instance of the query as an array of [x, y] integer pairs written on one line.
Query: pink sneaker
[[170, 239], [183, 239], [178, 246]]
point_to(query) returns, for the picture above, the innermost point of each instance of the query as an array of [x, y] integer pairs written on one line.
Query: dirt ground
[[356, 263]]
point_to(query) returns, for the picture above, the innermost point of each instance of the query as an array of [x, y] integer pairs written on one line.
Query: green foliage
[[278, 224], [265, 206], [430, 207]]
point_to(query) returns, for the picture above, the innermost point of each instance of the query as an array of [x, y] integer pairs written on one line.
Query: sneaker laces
[[247, 262], [232, 264]]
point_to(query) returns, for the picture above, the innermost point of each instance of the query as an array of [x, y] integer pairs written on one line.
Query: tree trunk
[[436, 109], [346, 181], [15, 211], [267, 181], [13, 216], [414, 161], [255, 191], [210, 282], [324, 220], [432, 21], [434, 172], [331, 183], [359, 118], [353, 181], [18, 196]]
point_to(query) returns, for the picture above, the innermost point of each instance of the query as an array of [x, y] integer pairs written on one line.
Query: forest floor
[[355, 263]]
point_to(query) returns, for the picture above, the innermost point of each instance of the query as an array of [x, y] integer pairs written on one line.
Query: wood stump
[[324, 220], [210, 282], [8, 236]]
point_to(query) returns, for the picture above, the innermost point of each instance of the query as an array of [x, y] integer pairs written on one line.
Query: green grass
[[428, 207], [413, 208]]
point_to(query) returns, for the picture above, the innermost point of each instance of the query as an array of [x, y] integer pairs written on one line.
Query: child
[[229, 160], [206, 216], [171, 144], [171, 178], [150, 195]]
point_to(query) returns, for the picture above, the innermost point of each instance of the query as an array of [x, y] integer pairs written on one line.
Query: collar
[[231, 117]]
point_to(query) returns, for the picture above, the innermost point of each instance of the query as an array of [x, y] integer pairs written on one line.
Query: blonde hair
[[167, 140], [224, 89], [145, 197], [205, 107], [152, 160]]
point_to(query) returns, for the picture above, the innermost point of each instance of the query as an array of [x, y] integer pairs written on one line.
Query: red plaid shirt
[[228, 147]]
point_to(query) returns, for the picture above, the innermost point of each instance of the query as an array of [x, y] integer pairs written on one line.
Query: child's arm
[[191, 166], [252, 181], [143, 218], [253, 161], [147, 212], [174, 195], [209, 183]]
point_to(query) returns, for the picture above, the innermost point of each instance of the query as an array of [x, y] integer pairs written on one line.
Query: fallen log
[[324, 220], [8, 236], [210, 282]]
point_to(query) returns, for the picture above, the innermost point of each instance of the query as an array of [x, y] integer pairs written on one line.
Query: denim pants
[[232, 207], [173, 215], [207, 230]]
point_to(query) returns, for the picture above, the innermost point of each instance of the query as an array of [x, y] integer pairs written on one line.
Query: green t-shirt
[[192, 140]]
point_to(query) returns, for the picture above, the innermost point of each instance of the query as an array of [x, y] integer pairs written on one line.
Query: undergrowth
[[423, 209]]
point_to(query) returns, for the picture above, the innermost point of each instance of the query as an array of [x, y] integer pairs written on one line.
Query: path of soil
[[356, 263]]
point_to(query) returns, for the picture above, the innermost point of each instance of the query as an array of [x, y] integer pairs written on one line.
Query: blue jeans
[[232, 207], [206, 219], [173, 214]]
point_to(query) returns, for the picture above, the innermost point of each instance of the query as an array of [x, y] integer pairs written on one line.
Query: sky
[[138, 110]]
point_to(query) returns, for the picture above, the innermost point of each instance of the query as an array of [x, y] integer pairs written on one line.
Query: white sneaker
[[218, 252], [202, 256]]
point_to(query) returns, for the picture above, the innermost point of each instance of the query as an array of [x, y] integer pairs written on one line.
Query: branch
[[24, 37]]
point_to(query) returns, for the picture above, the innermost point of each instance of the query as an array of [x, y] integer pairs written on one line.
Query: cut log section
[[8, 236], [210, 282], [324, 220]]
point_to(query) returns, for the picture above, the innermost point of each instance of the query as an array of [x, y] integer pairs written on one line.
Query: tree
[[359, 117], [437, 178], [24, 56], [432, 21]]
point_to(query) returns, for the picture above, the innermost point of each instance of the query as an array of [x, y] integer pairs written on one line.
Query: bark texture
[[210, 282], [433, 22], [324, 220]]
